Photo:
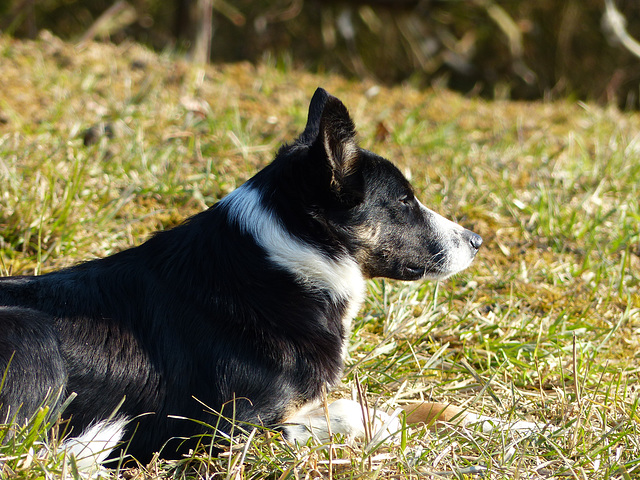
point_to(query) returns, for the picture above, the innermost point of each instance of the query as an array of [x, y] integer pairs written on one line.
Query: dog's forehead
[[384, 174]]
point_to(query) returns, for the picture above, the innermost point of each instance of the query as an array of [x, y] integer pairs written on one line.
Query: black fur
[[201, 314]]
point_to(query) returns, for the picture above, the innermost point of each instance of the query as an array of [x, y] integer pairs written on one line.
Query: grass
[[103, 145]]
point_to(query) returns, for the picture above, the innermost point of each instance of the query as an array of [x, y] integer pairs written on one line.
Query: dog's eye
[[406, 200]]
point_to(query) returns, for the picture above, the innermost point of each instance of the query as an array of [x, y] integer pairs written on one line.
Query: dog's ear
[[316, 107], [331, 133]]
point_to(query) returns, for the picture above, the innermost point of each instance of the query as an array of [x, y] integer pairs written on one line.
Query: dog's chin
[[413, 272]]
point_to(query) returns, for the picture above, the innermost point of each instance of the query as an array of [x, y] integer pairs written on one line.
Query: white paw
[[93, 446], [345, 418]]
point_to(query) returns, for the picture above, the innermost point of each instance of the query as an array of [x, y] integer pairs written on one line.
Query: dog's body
[[244, 308]]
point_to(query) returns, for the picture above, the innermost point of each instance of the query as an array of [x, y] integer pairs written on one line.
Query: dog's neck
[[340, 278]]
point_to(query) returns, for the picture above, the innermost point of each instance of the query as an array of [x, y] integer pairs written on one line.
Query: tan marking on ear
[[350, 153], [343, 166]]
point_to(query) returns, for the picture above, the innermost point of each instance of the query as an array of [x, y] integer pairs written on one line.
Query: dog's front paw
[[347, 418]]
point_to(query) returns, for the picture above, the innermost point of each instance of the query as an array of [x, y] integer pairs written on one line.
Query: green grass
[[545, 325]]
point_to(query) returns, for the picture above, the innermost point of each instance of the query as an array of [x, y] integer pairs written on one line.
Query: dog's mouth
[[415, 272]]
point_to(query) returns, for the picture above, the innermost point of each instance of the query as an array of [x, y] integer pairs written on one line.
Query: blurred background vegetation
[[498, 49]]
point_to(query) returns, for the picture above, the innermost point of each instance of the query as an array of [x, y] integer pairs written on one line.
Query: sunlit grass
[[544, 326]]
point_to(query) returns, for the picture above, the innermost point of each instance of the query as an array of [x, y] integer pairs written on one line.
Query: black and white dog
[[245, 308]]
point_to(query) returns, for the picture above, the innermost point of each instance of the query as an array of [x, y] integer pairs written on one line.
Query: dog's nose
[[475, 240]]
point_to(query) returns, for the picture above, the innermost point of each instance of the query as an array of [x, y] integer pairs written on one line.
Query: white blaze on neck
[[341, 278]]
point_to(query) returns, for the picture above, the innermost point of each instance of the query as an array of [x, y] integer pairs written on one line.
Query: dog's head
[[363, 202]]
